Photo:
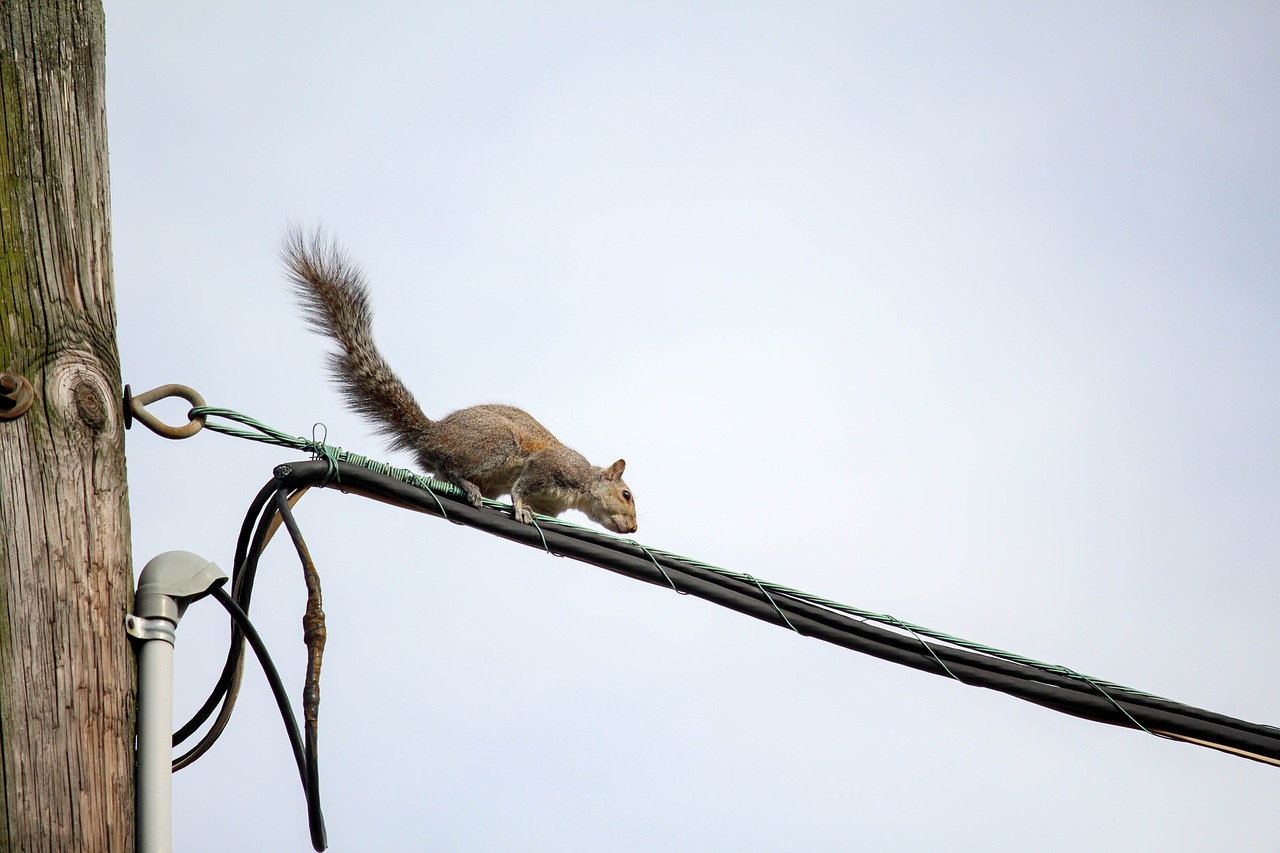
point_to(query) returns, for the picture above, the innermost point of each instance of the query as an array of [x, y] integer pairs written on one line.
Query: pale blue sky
[[966, 313]]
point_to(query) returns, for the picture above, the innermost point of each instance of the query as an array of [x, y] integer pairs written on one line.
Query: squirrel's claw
[[472, 492]]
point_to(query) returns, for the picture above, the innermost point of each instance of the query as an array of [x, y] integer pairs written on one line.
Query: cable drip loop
[[271, 507]]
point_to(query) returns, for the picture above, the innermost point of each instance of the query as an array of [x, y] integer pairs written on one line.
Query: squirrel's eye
[[626, 496]]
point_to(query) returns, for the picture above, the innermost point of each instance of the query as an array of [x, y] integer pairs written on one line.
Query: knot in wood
[[90, 405]]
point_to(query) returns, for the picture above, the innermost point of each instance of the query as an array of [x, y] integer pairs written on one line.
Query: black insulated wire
[[233, 656], [1050, 687], [313, 623], [249, 548], [310, 783], [254, 534]]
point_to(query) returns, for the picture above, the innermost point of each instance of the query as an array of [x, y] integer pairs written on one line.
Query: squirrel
[[487, 450]]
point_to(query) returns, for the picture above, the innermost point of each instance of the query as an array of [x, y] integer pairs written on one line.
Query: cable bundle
[[881, 636], [270, 508], [885, 637]]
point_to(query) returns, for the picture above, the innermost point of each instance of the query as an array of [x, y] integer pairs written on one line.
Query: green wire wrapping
[[332, 454]]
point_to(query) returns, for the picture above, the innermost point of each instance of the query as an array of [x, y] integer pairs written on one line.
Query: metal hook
[[135, 407]]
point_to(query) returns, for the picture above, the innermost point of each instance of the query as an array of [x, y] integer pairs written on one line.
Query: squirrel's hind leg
[[470, 489], [522, 513]]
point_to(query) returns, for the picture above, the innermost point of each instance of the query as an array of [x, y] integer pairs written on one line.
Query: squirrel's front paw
[[523, 514]]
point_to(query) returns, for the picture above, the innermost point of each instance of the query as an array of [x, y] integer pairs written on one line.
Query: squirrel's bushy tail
[[335, 303]]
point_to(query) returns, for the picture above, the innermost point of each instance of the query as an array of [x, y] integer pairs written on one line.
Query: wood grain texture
[[66, 667]]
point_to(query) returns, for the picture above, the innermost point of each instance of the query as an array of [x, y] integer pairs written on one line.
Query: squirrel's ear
[[614, 471]]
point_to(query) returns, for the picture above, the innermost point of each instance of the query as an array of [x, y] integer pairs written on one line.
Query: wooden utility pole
[[66, 580]]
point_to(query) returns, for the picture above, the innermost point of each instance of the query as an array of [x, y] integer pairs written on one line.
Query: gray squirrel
[[487, 450]]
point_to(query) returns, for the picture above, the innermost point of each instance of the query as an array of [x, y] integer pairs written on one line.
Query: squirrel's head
[[612, 504]]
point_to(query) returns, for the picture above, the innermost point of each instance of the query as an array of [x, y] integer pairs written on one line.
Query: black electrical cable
[[310, 785], [252, 521], [250, 544], [1050, 687], [313, 621], [253, 537]]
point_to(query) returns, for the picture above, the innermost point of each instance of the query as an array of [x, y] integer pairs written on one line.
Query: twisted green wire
[[262, 433]]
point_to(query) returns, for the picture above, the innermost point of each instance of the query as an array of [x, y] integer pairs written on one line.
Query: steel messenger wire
[[886, 637], [879, 635]]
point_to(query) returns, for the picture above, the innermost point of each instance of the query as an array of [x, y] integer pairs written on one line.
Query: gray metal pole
[[166, 586], [155, 734]]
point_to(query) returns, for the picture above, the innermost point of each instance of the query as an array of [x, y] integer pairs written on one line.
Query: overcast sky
[[963, 312]]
